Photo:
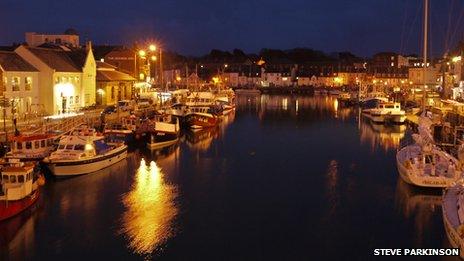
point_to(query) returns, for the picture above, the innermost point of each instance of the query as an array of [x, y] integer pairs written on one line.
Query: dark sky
[[196, 26]]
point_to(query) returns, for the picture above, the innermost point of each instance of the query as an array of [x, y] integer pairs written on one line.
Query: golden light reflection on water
[[147, 222], [387, 137]]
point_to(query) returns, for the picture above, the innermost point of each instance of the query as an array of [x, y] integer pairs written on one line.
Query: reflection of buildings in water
[[202, 139], [17, 236], [388, 137], [332, 182], [148, 220], [419, 204]]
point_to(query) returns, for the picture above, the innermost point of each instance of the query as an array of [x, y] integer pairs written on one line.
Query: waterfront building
[[124, 59], [19, 85], [432, 76], [66, 76], [112, 85]]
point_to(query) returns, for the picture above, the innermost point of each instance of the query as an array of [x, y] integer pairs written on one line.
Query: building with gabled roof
[[112, 85], [66, 76], [19, 85]]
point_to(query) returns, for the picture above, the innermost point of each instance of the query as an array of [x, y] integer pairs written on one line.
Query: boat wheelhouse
[[386, 112], [19, 187], [165, 131], [31, 147]]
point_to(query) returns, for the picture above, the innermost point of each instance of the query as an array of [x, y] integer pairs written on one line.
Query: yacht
[[83, 153], [165, 132], [31, 146], [386, 112], [453, 215], [424, 164], [19, 189]]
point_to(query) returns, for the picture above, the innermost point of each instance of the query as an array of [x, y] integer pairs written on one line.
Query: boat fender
[[41, 180]]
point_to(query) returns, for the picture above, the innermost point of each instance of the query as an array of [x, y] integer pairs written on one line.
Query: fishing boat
[[386, 112], [82, 154], [226, 104], [453, 215], [165, 132], [119, 132], [20, 183], [371, 99], [200, 99], [31, 146], [201, 117]]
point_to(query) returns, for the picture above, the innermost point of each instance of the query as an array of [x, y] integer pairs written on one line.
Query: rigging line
[[413, 24], [457, 26], [403, 28], [448, 29]]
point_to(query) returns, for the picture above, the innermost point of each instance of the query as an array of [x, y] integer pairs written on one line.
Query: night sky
[[194, 27]]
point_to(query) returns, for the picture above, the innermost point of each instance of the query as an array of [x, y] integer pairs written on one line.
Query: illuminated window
[[37, 144], [77, 99], [57, 80], [71, 100], [15, 84], [28, 83]]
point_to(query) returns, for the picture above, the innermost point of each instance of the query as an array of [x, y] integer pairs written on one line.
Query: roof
[[110, 76], [10, 61], [103, 65], [55, 59]]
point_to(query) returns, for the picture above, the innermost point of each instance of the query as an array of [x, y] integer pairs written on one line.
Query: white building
[[66, 78], [19, 85], [70, 38]]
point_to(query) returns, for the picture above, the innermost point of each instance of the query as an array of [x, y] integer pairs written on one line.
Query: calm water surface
[[284, 178]]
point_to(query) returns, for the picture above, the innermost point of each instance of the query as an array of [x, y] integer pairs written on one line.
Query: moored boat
[[77, 155], [19, 187], [31, 146], [202, 117], [165, 132], [453, 215], [386, 112]]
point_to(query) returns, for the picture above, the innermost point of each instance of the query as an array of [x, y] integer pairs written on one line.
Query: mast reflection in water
[[147, 222]]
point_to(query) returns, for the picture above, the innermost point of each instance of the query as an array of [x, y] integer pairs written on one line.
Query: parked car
[[109, 110], [125, 105]]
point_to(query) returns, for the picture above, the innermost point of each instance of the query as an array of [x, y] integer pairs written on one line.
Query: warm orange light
[[153, 57], [215, 79], [178, 78], [142, 53], [152, 47]]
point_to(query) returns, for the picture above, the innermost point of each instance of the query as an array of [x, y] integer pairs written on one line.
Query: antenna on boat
[[424, 87]]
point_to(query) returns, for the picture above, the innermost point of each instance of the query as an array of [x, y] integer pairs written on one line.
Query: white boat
[[424, 164], [453, 216], [372, 97], [83, 154], [386, 112], [226, 104], [165, 132]]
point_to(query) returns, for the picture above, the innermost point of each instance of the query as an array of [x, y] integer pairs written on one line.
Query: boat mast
[[424, 91]]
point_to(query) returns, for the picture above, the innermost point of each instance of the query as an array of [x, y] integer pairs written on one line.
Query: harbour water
[[283, 178]]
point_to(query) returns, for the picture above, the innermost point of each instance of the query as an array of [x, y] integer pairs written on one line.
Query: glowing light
[[150, 210], [142, 53], [154, 58], [178, 78], [64, 89], [141, 76], [456, 59], [100, 91], [216, 79], [226, 65], [152, 47], [88, 147], [284, 79]]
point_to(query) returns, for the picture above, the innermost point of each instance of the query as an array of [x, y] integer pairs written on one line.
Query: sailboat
[[423, 163]]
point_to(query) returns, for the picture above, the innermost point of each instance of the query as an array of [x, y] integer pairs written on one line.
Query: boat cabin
[[31, 146], [16, 181]]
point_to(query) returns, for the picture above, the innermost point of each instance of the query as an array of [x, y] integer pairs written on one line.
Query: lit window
[[77, 99], [28, 83], [71, 100], [15, 84]]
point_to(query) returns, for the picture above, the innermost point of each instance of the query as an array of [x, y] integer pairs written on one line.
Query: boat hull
[[199, 121], [451, 233], [66, 168], [161, 144], [12, 208]]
